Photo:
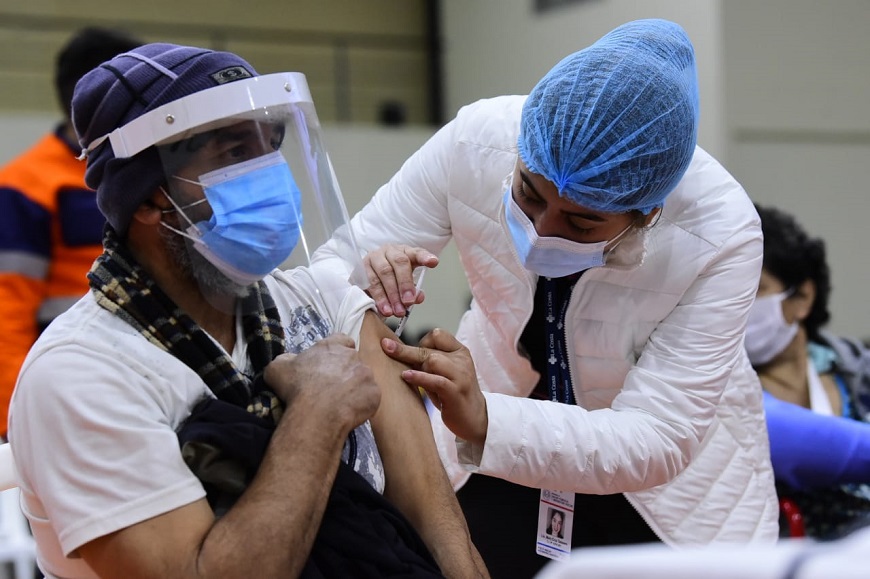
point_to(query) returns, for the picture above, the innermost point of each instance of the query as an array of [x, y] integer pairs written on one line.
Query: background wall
[[797, 88], [494, 47], [784, 91], [356, 55]]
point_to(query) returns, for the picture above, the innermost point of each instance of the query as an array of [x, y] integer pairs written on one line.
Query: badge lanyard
[[558, 373], [555, 506]]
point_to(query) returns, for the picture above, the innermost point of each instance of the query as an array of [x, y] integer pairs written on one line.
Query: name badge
[[555, 524]]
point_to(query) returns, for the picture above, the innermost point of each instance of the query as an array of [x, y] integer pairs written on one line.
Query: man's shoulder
[[316, 299], [88, 328], [317, 285], [90, 354]]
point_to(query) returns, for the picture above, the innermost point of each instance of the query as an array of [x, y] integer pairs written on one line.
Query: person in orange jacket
[[50, 226]]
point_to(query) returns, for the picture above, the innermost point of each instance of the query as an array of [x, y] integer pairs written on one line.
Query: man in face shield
[[200, 413], [248, 233]]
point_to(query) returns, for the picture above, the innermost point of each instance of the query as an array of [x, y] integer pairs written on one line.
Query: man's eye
[[237, 152], [277, 138]]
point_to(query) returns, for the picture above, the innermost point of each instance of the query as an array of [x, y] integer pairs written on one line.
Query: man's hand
[[444, 369], [389, 269], [329, 379], [329, 391]]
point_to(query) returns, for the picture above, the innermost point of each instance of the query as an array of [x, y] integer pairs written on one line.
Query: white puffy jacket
[[669, 410]]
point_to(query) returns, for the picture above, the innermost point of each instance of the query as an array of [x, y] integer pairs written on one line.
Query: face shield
[[248, 179]]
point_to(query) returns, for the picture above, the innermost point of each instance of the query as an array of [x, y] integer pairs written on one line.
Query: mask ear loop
[[788, 293], [620, 237], [180, 210], [656, 219]]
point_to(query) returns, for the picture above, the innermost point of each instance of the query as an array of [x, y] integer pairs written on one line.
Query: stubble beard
[[193, 265]]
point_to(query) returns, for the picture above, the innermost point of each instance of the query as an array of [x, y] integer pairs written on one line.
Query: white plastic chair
[[16, 543]]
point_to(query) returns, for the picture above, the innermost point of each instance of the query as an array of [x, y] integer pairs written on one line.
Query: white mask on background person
[[767, 332]]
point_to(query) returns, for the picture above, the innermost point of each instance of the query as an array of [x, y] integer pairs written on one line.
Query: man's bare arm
[[416, 480], [270, 530]]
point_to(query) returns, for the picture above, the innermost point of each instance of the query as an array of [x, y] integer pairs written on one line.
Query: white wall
[[797, 92], [494, 47]]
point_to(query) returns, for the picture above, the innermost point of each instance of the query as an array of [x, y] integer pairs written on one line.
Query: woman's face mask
[[552, 256], [256, 219], [767, 332]]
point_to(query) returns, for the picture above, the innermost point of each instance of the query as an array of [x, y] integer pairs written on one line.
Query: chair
[[8, 473], [791, 520], [16, 543]]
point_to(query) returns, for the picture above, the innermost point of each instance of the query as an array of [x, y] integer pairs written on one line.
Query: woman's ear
[[652, 217], [803, 299]]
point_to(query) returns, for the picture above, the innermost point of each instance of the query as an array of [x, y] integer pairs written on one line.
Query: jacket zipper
[[569, 350]]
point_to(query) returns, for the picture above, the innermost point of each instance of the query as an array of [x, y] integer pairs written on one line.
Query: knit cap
[[123, 89]]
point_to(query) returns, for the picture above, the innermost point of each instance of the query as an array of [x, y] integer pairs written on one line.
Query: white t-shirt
[[94, 416]]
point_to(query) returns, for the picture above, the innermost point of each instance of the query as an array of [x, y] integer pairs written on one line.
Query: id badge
[[555, 524]]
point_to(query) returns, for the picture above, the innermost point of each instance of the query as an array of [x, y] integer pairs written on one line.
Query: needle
[[404, 319]]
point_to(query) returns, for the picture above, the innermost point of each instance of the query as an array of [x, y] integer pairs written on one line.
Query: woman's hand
[[389, 269], [442, 366]]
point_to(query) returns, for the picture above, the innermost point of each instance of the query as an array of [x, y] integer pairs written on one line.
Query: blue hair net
[[614, 125]]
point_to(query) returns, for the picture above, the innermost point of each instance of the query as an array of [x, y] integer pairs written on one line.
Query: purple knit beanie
[[126, 87]]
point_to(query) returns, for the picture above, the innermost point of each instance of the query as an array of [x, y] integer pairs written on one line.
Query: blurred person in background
[[820, 451], [50, 226]]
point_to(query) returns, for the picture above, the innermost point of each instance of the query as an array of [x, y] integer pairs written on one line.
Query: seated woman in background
[[819, 452]]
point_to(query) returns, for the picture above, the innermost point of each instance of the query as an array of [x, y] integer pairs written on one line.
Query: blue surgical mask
[[551, 256], [767, 332], [256, 217]]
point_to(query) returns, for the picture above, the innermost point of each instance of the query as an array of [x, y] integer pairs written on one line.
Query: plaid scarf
[[121, 286]]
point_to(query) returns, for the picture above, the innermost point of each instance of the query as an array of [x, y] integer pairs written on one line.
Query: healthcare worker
[[600, 368]]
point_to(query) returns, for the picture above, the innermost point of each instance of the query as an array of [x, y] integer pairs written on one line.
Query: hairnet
[[614, 125]]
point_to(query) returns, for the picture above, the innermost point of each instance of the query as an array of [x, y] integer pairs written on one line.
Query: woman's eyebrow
[[586, 216], [581, 214], [528, 182]]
